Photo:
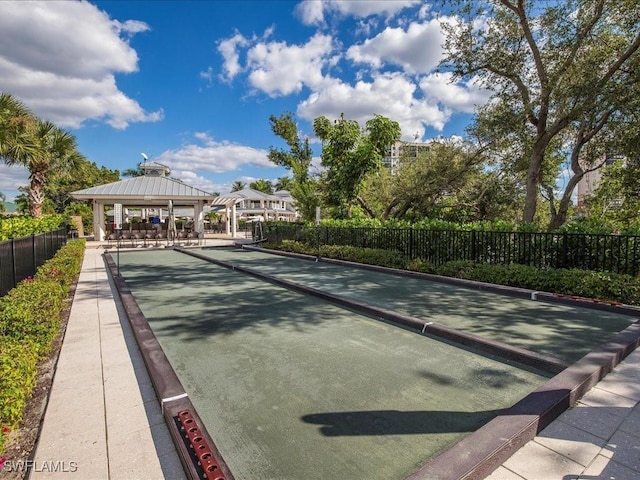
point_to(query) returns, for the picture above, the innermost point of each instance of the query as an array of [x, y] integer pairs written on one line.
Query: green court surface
[[294, 387], [564, 331]]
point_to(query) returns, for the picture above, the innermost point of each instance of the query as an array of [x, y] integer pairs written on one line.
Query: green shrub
[[420, 265], [31, 312], [583, 283], [30, 317], [18, 368], [372, 256], [18, 227]]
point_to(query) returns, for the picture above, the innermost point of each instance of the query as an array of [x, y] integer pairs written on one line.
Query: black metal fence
[[20, 257], [604, 253]]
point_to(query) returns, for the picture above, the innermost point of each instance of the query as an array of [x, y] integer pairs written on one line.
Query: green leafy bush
[[609, 287], [18, 368], [18, 227], [30, 318], [372, 256]]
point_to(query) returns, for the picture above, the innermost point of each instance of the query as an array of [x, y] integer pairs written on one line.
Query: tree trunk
[[365, 206], [533, 181], [36, 194]]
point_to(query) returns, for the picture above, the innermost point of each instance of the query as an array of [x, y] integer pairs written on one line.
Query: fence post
[[474, 250], [13, 261], [411, 249], [34, 254]]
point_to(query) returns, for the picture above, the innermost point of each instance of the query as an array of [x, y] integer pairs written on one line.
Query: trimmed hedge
[[23, 226], [610, 287], [30, 318]]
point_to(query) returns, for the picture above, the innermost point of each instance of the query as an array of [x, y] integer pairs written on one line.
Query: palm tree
[[237, 186], [284, 183], [14, 118], [261, 185], [133, 172], [3, 198], [48, 148], [38, 145]]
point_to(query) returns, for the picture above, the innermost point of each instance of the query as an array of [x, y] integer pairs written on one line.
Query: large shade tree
[[564, 71], [350, 154]]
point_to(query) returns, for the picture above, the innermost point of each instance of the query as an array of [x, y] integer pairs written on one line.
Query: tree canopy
[[350, 154], [38, 145], [303, 185], [564, 77]]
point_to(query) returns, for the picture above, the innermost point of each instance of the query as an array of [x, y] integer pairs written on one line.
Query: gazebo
[[155, 189], [250, 203]]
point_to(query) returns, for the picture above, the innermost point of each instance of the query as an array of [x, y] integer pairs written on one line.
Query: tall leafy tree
[[303, 186], [14, 118], [81, 173], [350, 154], [433, 180], [564, 71]]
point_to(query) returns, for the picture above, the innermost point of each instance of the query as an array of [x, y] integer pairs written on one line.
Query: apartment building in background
[[396, 151], [589, 182]]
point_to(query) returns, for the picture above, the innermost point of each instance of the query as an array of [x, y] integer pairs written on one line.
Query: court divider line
[[528, 294], [545, 363], [174, 400]]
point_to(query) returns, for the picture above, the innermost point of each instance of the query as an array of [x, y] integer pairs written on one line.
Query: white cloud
[[461, 97], [416, 50], [281, 69], [191, 178], [228, 48], [212, 156], [313, 11], [310, 11], [391, 95], [12, 177], [60, 58]]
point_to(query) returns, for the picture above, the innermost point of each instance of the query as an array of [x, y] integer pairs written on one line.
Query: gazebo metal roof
[[146, 190]]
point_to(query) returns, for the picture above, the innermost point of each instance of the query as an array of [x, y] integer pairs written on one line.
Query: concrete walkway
[[103, 420], [597, 439]]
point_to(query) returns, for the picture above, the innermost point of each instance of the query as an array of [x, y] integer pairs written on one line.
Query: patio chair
[[161, 235], [126, 235], [193, 235], [138, 235], [149, 235], [112, 237], [181, 235]]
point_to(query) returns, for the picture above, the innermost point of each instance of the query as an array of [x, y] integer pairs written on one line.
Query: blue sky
[[193, 83]]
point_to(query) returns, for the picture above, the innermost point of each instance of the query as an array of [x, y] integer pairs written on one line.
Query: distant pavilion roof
[[244, 194]]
